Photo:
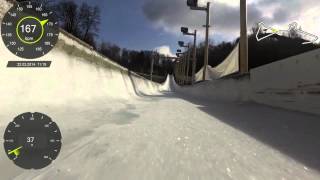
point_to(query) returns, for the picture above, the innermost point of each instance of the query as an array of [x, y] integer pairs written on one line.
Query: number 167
[[28, 28]]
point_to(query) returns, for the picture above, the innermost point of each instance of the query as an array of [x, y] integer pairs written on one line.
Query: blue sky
[[148, 24], [123, 23]]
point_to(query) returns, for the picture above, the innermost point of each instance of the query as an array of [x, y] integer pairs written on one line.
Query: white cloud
[[170, 15], [164, 50], [227, 2]]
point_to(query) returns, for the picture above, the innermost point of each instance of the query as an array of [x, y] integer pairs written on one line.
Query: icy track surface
[[171, 137]]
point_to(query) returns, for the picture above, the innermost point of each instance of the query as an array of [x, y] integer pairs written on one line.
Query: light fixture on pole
[[185, 63], [181, 44], [185, 31], [193, 4], [152, 63], [179, 66], [244, 67]]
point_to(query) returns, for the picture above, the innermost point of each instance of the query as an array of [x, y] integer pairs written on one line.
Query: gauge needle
[[16, 151], [274, 30], [44, 22]]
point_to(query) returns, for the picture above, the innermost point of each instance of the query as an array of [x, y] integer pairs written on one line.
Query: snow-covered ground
[[171, 136]]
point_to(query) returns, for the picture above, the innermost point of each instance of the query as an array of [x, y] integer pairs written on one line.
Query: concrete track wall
[[292, 83], [76, 72]]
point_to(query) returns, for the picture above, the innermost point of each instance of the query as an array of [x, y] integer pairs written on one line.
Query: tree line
[[269, 50], [83, 21]]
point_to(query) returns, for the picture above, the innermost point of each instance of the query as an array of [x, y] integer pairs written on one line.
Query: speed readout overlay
[[29, 30], [32, 140]]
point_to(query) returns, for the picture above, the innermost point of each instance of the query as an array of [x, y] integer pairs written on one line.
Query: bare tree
[[111, 51], [68, 15], [90, 19]]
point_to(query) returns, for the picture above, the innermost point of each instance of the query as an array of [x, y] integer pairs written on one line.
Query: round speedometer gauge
[[32, 140], [29, 30]]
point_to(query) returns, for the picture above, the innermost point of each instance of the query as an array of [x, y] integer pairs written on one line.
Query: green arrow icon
[[44, 22]]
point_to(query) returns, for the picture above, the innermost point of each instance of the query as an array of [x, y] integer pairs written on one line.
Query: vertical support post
[[194, 59], [175, 70], [188, 64], [244, 67], [151, 69], [206, 53], [180, 70], [184, 68]]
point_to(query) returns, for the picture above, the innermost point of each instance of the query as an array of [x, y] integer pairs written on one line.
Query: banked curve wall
[[77, 73]]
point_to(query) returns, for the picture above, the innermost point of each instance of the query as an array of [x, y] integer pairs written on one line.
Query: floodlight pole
[[206, 55], [181, 69], [244, 67], [186, 59], [207, 26], [152, 63], [184, 68], [188, 63], [194, 59], [176, 70]]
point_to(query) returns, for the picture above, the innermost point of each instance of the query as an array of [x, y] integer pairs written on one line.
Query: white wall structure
[[222, 89], [229, 66], [292, 83]]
